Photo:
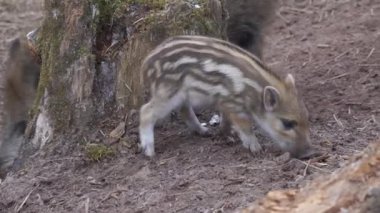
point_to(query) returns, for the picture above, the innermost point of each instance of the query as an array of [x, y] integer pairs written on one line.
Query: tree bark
[[91, 53], [355, 188]]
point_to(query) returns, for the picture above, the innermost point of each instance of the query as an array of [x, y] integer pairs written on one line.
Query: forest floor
[[333, 50]]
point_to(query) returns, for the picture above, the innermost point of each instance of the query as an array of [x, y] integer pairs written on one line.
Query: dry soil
[[332, 48]]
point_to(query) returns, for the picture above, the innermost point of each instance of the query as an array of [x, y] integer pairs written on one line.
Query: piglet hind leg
[[157, 108], [192, 121], [225, 125]]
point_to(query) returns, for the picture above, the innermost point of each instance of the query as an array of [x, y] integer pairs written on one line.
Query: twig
[[320, 158], [233, 182], [323, 45], [164, 161], [87, 205], [182, 208], [322, 164], [307, 166], [101, 132], [374, 119], [363, 128], [62, 159], [367, 123], [130, 115], [298, 10], [128, 87], [357, 51], [335, 59], [25, 199], [338, 121], [282, 17], [340, 55], [338, 76], [138, 20], [314, 167], [321, 16], [333, 78], [369, 65], [370, 54], [113, 192], [251, 168]]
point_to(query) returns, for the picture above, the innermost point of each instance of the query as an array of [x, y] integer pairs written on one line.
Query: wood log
[[353, 188]]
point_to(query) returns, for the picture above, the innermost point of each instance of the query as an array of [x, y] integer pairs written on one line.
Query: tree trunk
[[91, 53], [354, 188]]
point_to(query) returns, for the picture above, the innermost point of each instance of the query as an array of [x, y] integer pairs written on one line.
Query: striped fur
[[21, 76], [186, 72], [248, 21]]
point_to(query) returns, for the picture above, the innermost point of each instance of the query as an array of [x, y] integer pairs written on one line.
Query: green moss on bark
[[155, 4], [48, 45], [59, 50]]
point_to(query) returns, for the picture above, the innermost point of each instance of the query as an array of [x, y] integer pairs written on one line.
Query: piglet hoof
[[253, 146], [147, 149], [203, 131]]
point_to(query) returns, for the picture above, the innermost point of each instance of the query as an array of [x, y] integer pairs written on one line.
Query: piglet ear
[[271, 98], [14, 47], [289, 80]]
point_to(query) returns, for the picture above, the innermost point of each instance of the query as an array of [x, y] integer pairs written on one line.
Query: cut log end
[[353, 188]]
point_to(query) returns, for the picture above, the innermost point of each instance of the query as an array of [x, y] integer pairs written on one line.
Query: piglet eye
[[288, 124]]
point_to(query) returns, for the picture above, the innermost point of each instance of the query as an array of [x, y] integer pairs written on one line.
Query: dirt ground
[[332, 48]]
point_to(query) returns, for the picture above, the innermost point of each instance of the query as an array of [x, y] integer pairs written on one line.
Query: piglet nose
[[306, 153]]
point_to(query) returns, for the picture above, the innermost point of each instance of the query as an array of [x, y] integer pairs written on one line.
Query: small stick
[[233, 182], [166, 160], [363, 128], [282, 17], [321, 16], [369, 65], [338, 121], [357, 51], [333, 78], [113, 192], [307, 166], [323, 45], [101, 132], [297, 10], [374, 119], [138, 20], [314, 167], [320, 158], [370, 54], [128, 87], [335, 59], [182, 208], [338, 76], [340, 55], [86, 205], [26, 198]]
